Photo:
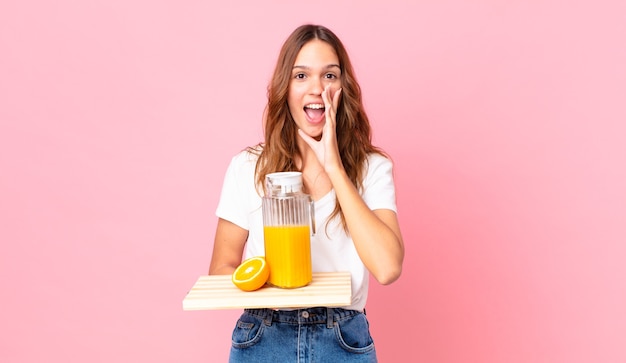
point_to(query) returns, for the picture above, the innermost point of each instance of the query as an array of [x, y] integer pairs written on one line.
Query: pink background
[[505, 120]]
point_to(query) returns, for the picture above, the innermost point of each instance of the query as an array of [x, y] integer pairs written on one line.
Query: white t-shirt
[[331, 248]]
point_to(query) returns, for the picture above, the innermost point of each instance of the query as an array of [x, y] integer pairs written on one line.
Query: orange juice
[[288, 254]]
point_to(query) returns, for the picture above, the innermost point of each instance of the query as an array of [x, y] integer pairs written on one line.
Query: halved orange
[[252, 274]]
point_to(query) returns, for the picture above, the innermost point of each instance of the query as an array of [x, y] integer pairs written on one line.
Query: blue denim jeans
[[319, 334]]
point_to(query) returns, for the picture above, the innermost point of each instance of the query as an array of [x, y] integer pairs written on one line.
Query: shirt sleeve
[[379, 190], [235, 199]]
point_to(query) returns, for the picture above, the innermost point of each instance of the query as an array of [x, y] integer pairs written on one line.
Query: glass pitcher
[[288, 223]]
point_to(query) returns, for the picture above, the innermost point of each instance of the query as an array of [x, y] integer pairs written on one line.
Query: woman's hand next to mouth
[[326, 149]]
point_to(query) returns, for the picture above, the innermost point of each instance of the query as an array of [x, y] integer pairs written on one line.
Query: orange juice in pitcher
[[288, 224], [288, 253]]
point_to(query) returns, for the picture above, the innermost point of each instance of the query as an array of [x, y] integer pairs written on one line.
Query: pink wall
[[505, 119]]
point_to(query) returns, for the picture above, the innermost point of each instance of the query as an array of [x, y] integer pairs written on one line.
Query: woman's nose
[[317, 86]]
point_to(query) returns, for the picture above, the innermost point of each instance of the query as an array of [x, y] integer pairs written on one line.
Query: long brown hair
[[280, 151]]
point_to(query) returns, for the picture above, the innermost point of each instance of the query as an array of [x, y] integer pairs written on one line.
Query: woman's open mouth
[[314, 112]]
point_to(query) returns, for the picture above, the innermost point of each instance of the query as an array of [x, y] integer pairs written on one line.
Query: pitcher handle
[[312, 217]]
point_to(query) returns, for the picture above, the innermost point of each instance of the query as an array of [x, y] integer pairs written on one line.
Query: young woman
[[315, 123]]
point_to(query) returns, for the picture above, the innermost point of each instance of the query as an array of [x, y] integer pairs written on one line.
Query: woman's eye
[[330, 76], [299, 76]]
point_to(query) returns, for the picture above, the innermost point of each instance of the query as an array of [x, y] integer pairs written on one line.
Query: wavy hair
[[279, 151]]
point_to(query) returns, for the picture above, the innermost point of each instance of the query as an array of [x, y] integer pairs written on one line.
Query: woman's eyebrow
[[307, 67]]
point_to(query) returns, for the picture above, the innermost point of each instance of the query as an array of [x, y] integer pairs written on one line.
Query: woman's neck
[[316, 181]]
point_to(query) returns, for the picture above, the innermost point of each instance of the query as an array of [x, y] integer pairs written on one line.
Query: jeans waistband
[[316, 315]]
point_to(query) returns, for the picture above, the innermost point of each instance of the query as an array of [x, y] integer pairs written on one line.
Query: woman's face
[[315, 68]]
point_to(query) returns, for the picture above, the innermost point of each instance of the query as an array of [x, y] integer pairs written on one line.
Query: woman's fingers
[[336, 97], [331, 104]]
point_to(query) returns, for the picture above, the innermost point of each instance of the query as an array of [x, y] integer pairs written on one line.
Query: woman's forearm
[[376, 234]]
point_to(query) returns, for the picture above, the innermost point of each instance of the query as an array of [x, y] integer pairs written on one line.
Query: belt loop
[[330, 317], [267, 318]]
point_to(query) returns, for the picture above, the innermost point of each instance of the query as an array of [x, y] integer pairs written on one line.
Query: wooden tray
[[218, 292]]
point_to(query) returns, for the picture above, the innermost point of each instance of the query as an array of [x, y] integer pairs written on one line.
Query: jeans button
[[305, 314]]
